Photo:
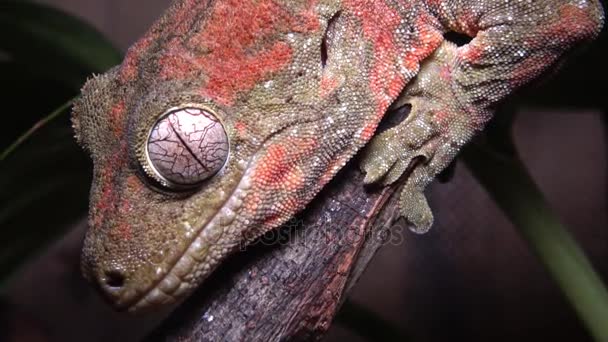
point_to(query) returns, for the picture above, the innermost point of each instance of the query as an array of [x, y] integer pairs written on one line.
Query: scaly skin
[[293, 115]]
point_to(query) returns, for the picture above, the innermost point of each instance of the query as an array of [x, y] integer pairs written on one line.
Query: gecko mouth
[[199, 258]]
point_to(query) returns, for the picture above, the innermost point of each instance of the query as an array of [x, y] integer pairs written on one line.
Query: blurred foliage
[[495, 163], [46, 55]]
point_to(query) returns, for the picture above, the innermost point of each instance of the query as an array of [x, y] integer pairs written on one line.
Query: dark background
[[472, 277]]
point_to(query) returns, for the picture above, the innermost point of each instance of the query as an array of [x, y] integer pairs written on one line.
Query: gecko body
[[229, 116]]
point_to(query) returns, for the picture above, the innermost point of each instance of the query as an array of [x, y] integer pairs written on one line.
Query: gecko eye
[[185, 147]]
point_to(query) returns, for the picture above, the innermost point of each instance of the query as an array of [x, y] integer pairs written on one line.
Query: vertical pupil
[[187, 146]]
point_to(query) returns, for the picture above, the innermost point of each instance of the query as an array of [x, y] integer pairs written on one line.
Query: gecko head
[[202, 141]]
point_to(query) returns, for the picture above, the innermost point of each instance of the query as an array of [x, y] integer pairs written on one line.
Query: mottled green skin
[[292, 119]]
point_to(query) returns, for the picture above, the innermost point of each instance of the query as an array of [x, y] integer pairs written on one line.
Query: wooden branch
[[290, 285]]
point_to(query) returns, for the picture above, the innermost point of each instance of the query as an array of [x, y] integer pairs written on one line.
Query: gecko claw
[[416, 210]]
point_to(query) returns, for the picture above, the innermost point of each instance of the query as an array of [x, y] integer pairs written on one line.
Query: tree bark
[[290, 284]]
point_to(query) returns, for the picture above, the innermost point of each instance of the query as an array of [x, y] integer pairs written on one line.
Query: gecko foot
[[425, 143], [415, 150]]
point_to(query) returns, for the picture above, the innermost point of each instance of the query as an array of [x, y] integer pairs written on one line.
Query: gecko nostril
[[114, 279]]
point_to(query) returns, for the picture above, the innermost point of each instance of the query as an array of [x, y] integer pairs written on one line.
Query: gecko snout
[[113, 284]]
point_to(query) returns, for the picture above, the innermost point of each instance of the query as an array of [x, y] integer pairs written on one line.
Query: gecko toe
[[415, 208]]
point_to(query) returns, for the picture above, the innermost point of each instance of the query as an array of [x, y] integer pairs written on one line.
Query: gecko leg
[[457, 88], [427, 140]]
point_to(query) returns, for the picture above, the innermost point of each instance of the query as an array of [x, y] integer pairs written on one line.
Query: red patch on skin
[[106, 183], [368, 131], [430, 38], [327, 86], [242, 72], [240, 128], [279, 174], [574, 23], [528, 68], [241, 45], [110, 204], [380, 23], [443, 118], [130, 65], [471, 52], [278, 168], [176, 64], [123, 231], [103, 204], [117, 116], [181, 21]]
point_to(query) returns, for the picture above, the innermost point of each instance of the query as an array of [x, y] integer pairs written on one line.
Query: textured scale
[[278, 96]]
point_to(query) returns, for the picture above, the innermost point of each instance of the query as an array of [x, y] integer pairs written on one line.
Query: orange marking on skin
[[241, 43], [471, 52], [327, 86], [380, 22], [134, 184], [117, 117], [368, 131], [240, 128], [278, 173], [278, 168], [272, 166], [175, 64], [124, 231], [243, 72], [527, 69], [574, 23], [130, 65], [430, 38], [106, 185]]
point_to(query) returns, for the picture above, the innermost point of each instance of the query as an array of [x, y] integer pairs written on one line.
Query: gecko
[[229, 116]]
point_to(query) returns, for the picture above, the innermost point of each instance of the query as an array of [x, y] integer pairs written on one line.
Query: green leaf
[[25, 136]]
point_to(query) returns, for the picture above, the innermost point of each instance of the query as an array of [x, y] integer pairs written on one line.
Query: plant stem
[[38, 125], [511, 186]]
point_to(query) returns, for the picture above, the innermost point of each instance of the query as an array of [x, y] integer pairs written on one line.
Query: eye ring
[[186, 146]]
